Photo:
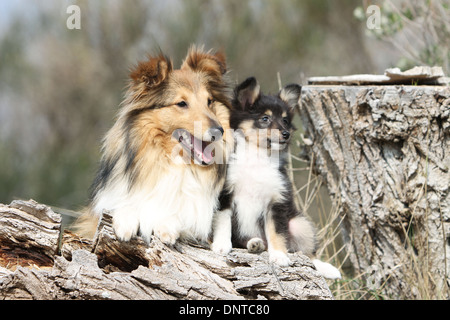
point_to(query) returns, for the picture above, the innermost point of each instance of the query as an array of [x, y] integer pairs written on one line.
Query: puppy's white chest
[[256, 182], [253, 173]]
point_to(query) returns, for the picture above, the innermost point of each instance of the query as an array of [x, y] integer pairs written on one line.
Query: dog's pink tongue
[[199, 148], [207, 155]]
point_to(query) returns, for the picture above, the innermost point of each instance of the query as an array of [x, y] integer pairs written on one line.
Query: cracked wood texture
[[384, 153], [33, 266]]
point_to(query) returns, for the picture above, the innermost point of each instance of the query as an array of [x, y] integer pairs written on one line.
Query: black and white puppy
[[257, 205]]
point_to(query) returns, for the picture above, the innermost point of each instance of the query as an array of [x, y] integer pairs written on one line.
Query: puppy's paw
[[327, 270], [255, 245], [125, 227], [280, 258], [221, 247], [167, 236]]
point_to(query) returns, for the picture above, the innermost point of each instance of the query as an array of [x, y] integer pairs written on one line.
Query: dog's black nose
[[220, 129], [216, 133], [285, 134]]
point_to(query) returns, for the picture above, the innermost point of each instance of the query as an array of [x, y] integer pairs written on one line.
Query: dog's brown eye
[[182, 104], [265, 118], [285, 121], [210, 101]]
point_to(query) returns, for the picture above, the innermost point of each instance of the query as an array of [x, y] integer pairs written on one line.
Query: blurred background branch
[[419, 30]]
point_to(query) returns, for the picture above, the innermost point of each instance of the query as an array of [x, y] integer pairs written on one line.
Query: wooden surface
[[384, 154], [415, 76], [33, 266]]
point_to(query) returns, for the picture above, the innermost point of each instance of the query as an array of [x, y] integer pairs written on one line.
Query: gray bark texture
[[384, 154], [34, 264]]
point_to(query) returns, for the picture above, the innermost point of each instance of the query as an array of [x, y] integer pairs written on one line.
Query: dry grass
[[313, 199]]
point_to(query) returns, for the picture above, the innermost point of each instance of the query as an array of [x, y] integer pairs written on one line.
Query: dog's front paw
[[255, 245], [221, 247], [280, 258], [125, 227], [167, 236]]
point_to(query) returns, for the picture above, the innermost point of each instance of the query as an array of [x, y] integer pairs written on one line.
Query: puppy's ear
[[247, 93], [291, 94], [153, 71], [212, 64]]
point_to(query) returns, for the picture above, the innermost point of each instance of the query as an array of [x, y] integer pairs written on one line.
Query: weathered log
[[107, 268], [29, 234], [416, 75], [384, 153]]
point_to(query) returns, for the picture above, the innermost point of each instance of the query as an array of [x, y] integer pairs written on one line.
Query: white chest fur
[[177, 205], [256, 182]]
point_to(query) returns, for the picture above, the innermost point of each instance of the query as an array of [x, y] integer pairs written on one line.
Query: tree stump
[[384, 153], [34, 266]]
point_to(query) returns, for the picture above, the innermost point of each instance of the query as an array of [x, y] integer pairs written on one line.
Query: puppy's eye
[[210, 102], [285, 121], [265, 118], [182, 104]]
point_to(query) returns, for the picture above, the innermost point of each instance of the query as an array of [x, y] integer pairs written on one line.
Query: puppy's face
[[265, 120]]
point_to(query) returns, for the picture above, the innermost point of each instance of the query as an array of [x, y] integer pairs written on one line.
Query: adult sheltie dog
[[163, 162]]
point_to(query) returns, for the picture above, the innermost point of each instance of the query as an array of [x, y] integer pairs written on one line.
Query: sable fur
[[143, 180]]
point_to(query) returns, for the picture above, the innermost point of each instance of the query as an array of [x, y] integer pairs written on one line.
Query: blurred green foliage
[[419, 29]]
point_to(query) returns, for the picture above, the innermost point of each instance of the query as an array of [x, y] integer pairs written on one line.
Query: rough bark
[[384, 153], [107, 268], [19, 244]]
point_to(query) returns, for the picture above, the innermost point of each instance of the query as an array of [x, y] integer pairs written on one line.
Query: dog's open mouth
[[277, 145], [201, 152]]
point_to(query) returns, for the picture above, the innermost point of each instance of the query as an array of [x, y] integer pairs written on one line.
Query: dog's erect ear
[[247, 93], [212, 64], [213, 67], [291, 94], [153, 71]]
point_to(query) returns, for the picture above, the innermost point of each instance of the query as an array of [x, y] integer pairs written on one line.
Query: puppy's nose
[[285, 134], [215, 133]]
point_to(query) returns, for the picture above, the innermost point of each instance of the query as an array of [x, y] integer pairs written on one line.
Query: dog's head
[[186, 107], [264, 120]]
